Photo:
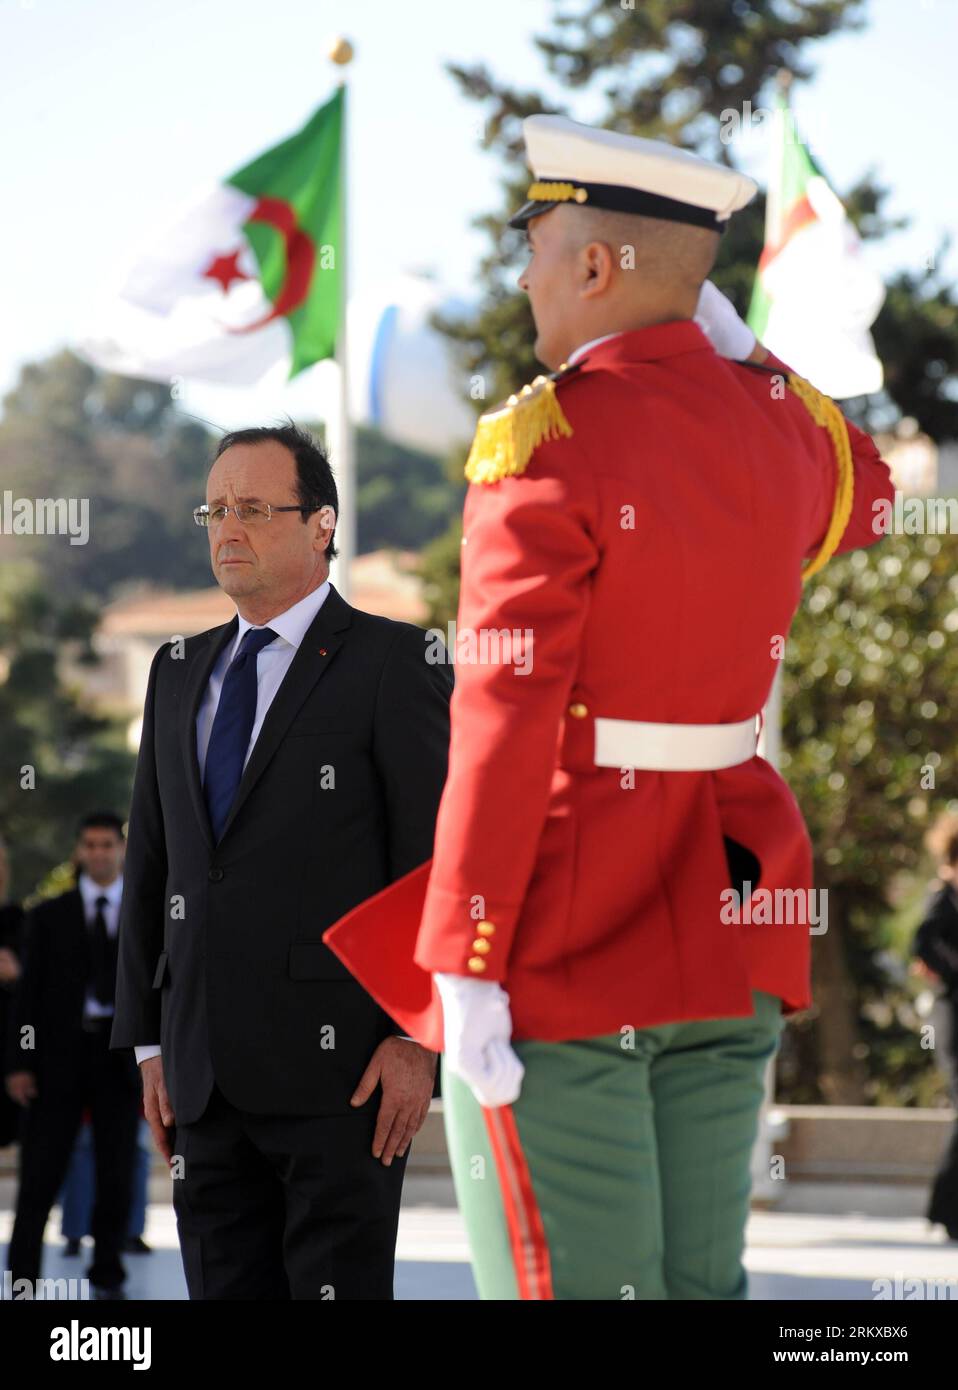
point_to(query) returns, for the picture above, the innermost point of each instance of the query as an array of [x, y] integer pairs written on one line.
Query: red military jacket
[[654, 555]]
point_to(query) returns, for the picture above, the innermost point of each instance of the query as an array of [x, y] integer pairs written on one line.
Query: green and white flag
[[815, 297], [250, 275]]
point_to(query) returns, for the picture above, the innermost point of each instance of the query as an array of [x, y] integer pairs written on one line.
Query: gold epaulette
[[825, 412], [506, 438]]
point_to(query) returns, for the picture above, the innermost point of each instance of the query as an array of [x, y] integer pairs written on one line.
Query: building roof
[[383, 582]]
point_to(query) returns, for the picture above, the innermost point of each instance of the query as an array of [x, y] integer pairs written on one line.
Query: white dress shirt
[[593, 342], [273, 662], [89, 892]]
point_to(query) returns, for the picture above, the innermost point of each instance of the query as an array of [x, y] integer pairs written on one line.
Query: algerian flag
[[250, 275], [814, 298]]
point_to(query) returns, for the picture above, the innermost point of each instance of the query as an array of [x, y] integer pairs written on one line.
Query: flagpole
[[765, 1188], [770, 740], [342, 436]]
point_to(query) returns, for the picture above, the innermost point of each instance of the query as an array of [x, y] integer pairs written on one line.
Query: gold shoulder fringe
[[506, 438], [825, 412]]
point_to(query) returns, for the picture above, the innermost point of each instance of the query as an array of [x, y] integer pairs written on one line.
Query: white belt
[[674, 747]]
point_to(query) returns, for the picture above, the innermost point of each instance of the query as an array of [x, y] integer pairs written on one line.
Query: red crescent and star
[[300, 259]]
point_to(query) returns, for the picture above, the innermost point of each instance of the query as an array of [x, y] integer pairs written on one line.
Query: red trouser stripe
[[530, 1253]]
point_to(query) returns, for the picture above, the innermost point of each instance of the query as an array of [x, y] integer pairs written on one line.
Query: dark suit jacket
[[56, 963], [221, 954], [11, 930], [11, 926], [936, 940]]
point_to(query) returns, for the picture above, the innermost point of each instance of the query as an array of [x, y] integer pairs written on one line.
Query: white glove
[[477, 1029], [716, 316]]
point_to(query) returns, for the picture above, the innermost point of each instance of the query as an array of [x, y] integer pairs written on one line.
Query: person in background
[[935, 949], [77, 1193], [11, 925], [59, 1059]]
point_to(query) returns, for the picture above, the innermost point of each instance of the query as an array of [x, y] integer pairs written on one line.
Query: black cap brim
[[617, 198], [530, 210]]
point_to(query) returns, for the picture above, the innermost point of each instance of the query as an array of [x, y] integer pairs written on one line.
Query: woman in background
[[11, 925], [936, 948]]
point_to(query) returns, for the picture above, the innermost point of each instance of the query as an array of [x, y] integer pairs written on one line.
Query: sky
[[116, 110]]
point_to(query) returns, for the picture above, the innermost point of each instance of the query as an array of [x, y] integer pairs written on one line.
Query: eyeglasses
[[246, 513]]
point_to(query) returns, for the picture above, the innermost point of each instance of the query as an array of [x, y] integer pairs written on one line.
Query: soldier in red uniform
[[634, 539]]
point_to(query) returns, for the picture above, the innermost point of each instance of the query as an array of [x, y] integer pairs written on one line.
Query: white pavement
[[791, 1254]]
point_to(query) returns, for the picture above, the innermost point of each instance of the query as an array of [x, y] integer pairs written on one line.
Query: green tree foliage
[[122, 444], [69, 431], [58, 760], [870, 731], [404, 498]]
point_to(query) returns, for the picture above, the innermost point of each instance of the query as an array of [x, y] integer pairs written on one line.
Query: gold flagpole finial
[[341, 52]]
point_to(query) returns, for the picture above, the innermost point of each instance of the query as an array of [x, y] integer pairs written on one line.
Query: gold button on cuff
[[476, 964], [578, 711], [485, 928], [481, 946]]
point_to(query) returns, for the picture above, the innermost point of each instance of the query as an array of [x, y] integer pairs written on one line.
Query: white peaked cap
[[626, 173]]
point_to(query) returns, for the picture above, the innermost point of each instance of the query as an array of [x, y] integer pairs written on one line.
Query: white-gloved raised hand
[[716, 316], [477, 1031]]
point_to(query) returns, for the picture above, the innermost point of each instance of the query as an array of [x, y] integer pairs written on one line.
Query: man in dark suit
[[58, 1058], [290, 766], [935, 948]]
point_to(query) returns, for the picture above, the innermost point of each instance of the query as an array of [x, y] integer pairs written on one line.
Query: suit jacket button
[[216, 875], [476, 964], [578, 711]]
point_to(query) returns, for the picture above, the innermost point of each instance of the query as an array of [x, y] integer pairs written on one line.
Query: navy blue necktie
[[229, 737]]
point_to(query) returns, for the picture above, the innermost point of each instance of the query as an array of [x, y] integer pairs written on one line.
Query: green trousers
[[623, 1169]]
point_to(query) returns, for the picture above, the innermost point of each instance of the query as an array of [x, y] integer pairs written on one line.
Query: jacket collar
[[294, 624], [647, 344]]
